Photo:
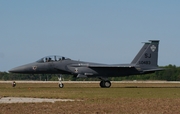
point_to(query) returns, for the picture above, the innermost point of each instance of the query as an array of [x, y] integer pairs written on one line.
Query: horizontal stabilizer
[[156, 69], [110, 66]]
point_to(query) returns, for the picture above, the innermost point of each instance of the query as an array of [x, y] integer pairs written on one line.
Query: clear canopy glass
[[52, 58]]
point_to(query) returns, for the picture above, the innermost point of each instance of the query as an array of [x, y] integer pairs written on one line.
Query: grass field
[[121, 98]]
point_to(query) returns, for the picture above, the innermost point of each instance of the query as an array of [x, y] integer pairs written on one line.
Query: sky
[[102, 31]]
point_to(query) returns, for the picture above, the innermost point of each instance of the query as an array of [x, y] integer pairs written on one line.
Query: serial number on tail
[[145, 62]]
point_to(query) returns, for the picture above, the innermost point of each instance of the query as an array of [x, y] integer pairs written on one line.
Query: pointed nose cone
[[17, 70], [23, 69]]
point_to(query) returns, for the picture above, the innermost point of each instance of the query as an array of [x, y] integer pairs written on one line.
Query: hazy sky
[[103, 31]]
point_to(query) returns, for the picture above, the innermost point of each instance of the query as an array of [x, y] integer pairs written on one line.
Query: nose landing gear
[[61, 85], [13, 84]]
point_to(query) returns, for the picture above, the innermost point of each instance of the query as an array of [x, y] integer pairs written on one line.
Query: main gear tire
[[61, 85], [105, 84]]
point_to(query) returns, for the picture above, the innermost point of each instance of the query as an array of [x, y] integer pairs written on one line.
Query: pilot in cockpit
[[49, 60], [46, 60]]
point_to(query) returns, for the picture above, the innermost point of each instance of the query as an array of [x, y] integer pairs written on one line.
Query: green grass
[[82, 91], [127, 98]]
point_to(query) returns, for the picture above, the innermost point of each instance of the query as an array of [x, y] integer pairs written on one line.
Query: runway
[[134, 81]]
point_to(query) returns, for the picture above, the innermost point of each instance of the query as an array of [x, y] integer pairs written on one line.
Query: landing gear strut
[[61, 85], [13, 84], [105, 83]]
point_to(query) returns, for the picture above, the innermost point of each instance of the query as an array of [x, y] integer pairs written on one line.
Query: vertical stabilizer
[[146, 44], [148, 55]]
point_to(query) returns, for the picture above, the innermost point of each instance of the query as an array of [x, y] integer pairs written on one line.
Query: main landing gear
[[61, 85], [105, 83]]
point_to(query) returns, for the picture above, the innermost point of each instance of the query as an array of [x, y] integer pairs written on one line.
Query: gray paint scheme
[[144, 62]]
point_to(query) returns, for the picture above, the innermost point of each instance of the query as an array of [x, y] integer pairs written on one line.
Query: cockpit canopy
[[52, 58]]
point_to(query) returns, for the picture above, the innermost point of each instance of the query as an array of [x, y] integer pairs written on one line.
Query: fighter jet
[[145, 62]]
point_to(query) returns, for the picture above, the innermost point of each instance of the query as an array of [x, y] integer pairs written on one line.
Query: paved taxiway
[[91, 81]]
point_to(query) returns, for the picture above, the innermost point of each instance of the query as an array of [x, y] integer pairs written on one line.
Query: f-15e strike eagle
[[145, 62]]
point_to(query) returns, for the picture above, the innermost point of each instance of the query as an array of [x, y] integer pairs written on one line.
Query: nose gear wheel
[[61, 85]]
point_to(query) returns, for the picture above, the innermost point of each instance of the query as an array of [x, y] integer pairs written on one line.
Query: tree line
[[171, 73]]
